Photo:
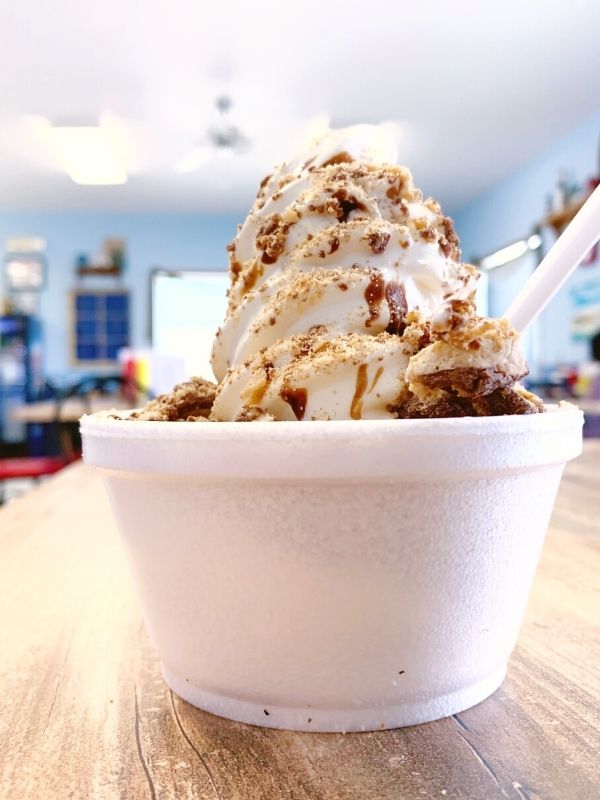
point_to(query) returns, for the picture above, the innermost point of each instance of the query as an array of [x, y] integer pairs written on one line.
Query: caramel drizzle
[[374, 295], [378, 375], [296, 398], [395, 297], [251, 276], [360, 389], [258, 392]]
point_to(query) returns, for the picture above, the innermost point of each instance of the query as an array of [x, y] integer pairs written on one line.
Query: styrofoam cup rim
[[102, 424], [368, 450]]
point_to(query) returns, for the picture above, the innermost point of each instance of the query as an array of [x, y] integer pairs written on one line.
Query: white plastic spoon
[[562, 258]]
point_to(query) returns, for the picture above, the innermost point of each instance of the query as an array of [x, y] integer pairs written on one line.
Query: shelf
[[560, 219], [98, 270]]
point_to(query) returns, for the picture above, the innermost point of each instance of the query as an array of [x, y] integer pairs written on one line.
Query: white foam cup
[[334, 576]]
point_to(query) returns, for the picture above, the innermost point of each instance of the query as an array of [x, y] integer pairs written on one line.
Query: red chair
[[32, 467]]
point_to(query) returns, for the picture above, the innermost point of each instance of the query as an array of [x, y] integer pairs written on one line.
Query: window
[[186, 308], [100, 326]]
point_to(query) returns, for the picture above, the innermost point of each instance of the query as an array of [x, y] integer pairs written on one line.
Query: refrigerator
[[21, 376]]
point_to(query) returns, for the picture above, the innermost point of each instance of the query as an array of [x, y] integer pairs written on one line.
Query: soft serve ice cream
[[348, 300]]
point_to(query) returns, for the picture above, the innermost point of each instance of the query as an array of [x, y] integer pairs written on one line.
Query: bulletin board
[[100, 326]]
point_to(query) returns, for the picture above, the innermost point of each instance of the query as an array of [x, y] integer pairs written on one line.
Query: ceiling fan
[[221, 140]]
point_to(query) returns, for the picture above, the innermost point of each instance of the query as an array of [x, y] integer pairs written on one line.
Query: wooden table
[[84, 712], [71, 409]]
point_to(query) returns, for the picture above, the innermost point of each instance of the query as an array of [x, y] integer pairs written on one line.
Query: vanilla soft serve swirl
[[338, 254]]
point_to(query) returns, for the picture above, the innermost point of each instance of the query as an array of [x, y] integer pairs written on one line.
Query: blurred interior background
[[133, 137]]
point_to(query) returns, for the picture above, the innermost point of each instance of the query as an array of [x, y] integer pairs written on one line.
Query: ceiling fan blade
[[195, 158]]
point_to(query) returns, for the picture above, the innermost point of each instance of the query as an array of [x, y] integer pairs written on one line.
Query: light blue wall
[[499, 216], [153, 240], [511, 209], [509, 212]]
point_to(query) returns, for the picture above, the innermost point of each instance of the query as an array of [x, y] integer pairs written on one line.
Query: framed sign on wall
[[24, 272]]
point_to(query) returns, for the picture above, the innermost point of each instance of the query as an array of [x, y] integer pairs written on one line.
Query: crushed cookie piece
[[468, 381], [340, 158], [269, 369], [428, 234], [254, 414], [189, 400], [271, 238], [449, 243], [424, 339], [285, 180], [378, 241]]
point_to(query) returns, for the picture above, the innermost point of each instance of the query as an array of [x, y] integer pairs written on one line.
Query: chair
[[33, 467], [62, 442], [67, 437]]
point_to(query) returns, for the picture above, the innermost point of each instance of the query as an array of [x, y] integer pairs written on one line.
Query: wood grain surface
[[84, 712]]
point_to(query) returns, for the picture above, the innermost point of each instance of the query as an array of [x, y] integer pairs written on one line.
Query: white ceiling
[[477, 88]]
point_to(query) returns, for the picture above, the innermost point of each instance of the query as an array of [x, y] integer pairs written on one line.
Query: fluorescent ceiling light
[[510, 253], [504, 255], [88, 156]]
